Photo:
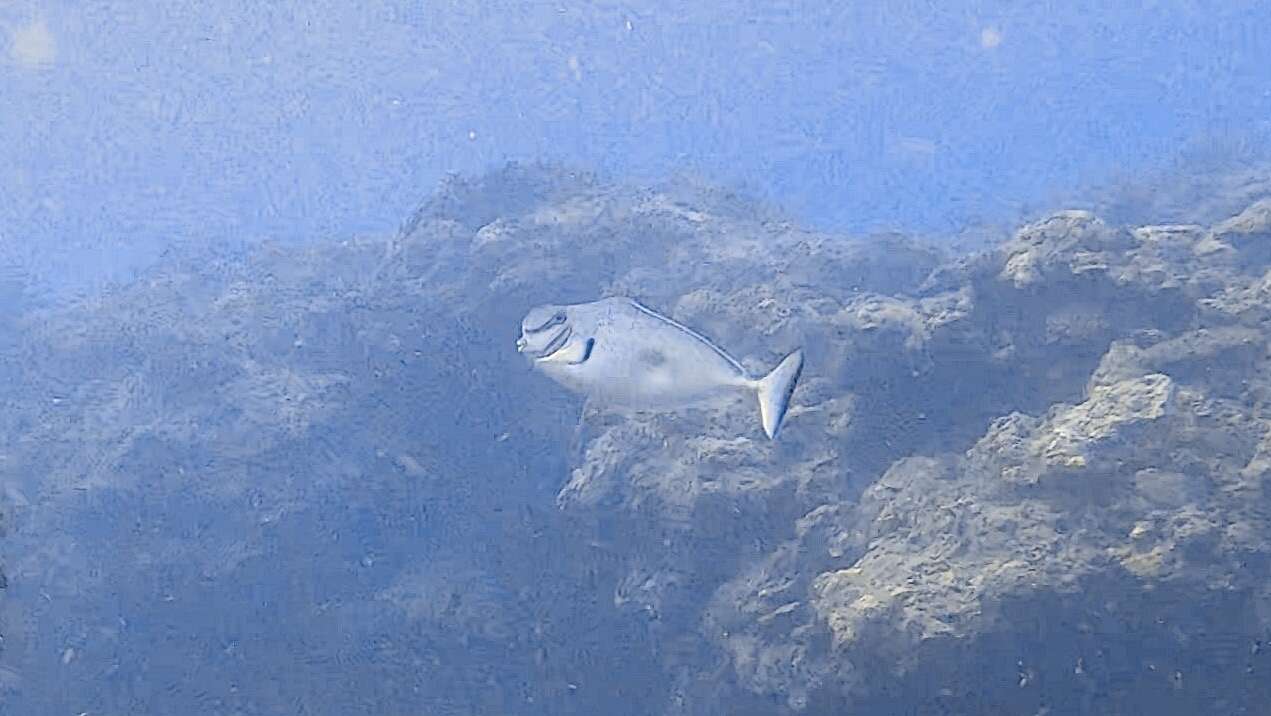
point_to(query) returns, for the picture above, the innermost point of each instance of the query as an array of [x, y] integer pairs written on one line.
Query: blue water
[[133, 126]]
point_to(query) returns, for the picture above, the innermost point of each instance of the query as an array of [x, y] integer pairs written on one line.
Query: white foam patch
[[920, 146], [32, 45], [990, 37]]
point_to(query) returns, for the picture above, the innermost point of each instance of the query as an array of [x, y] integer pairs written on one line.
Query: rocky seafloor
[[1025, 480]]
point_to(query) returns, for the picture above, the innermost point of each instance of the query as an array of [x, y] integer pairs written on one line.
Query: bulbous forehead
[[539, 315]]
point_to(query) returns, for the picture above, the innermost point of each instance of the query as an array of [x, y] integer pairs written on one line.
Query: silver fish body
[[626, 355]]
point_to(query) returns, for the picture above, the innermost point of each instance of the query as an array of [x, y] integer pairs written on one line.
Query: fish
[[625, 355]]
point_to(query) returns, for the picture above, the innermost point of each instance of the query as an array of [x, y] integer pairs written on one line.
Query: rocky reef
[[1024, 480]]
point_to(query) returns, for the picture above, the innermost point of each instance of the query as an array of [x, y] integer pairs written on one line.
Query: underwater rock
[[1033, 477]]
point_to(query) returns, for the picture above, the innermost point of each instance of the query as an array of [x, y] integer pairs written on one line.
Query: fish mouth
[[558, 342]]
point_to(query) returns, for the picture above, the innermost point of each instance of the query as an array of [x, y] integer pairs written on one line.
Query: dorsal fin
[[672, 322]]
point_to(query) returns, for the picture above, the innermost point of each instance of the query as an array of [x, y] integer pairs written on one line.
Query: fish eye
[[556, 319]]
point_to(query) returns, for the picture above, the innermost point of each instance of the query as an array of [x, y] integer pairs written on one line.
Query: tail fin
[[775, 390]]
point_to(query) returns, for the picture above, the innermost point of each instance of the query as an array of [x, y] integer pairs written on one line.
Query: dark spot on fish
[[652, 357]]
